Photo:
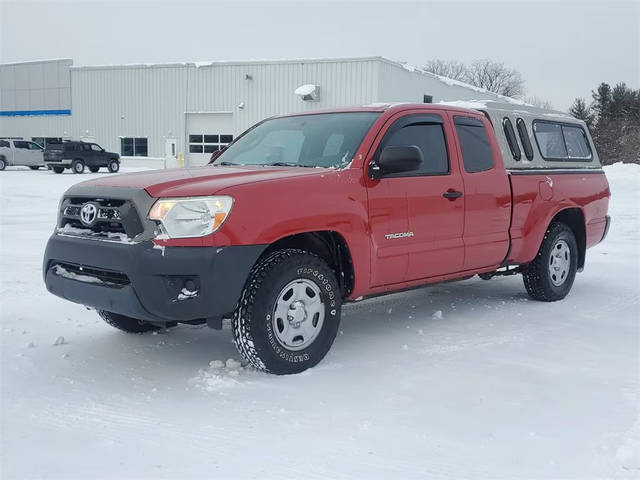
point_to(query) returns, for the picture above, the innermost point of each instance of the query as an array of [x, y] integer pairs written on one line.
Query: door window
[[427, 133], [21, 144], [96, 148], [477, 155]]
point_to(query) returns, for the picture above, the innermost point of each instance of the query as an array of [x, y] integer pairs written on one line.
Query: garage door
[[207, 133]]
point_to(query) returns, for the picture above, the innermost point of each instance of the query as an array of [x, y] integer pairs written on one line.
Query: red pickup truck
[[305, 212]]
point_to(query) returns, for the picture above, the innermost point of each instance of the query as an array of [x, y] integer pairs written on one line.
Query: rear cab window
[[524, 138], [561, 141], [511, 139], [477, 155]]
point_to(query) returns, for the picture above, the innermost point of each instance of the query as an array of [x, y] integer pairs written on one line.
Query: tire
[[94, 169], [549, 277], [127, 324], [77, 166], [259, 330], [3, 163], [113, 166], [57, 169], [34, 167]]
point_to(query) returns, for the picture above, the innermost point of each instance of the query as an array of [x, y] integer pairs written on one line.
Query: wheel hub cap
[[298, 314], [559, 263]]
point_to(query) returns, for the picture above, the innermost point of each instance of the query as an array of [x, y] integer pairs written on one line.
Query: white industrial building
[[157, 110]]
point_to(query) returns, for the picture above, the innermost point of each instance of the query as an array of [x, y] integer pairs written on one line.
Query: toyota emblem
[[88, 213]]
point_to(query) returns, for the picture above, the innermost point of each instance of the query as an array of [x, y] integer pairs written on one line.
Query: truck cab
[[19, 152], [305, 212]]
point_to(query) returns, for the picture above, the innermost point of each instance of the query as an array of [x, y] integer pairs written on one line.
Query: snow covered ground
[[463, 380]]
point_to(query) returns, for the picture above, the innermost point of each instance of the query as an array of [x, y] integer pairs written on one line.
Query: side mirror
[[397, 160]]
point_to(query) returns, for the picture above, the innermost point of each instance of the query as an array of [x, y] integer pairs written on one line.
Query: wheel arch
[[574, 218], [329, 245]]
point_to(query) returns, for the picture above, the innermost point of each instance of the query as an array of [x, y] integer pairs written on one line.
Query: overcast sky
[[563, 49]]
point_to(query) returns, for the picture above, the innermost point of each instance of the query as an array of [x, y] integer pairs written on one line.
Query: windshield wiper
[[226, 164], [281, 164], [287, 164]]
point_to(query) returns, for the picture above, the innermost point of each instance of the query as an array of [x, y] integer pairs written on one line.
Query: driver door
[[416, 219]]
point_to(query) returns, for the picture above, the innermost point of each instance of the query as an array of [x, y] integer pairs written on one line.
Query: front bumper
[[149, 282]]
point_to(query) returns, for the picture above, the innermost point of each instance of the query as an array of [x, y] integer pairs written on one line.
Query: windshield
[[323, 140]]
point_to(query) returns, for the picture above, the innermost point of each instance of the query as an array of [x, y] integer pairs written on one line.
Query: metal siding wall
[[151, 100], [36, 126], [38, 85], [271, 89], [154, 99], [400, 85]]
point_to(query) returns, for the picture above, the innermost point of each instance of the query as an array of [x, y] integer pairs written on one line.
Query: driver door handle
[[452, 194]]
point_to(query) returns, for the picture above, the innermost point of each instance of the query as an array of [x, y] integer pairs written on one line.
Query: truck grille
[[110, 219]]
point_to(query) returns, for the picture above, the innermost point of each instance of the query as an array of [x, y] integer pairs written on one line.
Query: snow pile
[[515, 388], [87, 232], [221, 375], [63, 272], [306, 89]]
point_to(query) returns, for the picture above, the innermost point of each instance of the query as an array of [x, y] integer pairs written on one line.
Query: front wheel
[[127, 324], [3, 163], [288, 314], [113, 166], [549, 277], [77, 166]]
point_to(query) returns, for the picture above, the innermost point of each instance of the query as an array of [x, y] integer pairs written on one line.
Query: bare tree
[[447, 68], [539, 102], [495, 77]]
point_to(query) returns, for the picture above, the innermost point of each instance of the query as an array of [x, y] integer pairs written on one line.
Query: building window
[[511, 139], [477, 155], [133, 147], [208, 142], [427, 99]]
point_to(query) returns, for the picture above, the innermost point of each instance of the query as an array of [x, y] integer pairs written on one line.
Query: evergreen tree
[[581, 110]]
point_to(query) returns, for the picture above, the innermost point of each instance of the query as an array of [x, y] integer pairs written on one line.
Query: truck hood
[[185, 182]]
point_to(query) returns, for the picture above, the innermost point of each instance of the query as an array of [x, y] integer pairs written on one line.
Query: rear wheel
[[57, 169], [127, 324], [34, 167], [77, 166], [288, 314], [549, 277], [113, 165], [3, 163], [94, 169]]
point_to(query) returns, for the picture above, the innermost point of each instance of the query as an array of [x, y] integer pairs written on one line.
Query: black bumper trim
[[606, 227], [156, 277]]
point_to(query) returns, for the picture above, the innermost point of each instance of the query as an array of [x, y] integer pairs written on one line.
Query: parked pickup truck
[[20, 153], [78, 155], [305, 212]]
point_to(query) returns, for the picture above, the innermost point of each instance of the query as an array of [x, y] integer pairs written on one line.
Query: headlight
[[191, 217]]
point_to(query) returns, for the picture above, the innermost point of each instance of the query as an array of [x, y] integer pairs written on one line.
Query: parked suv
[[305, 212], [20, 153], [78, 155]]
